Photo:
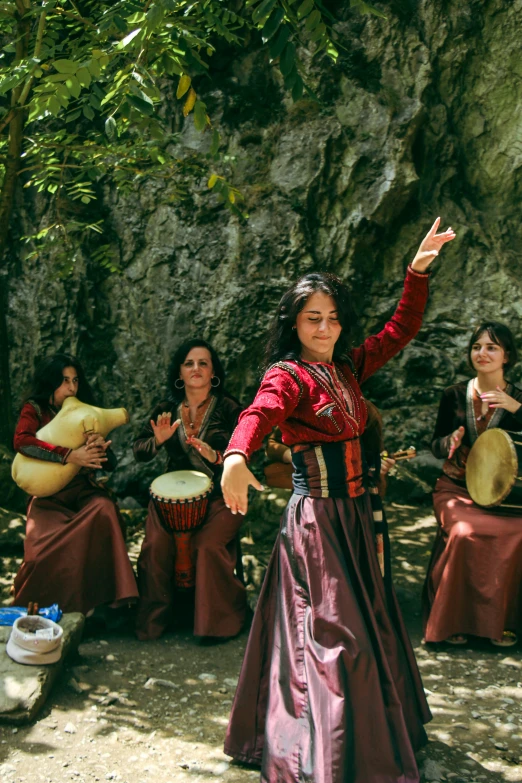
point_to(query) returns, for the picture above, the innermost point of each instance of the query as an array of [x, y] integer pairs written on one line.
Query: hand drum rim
[[492, 467], [182, 475]]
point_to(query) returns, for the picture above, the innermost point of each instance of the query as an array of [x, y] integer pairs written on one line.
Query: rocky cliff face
[[422, 116]]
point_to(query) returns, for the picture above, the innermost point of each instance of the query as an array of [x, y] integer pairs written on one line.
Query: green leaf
[[183, 85], [142, 106], [305, 8], [287, 60], [129, 38], [313, 20], [214, 147], [84, 77], [297, 89], [65, 66], [94, 68], [318, 33], [263, 10], [272, 24], [53, 104], [200, 115], [290, 79], [278, 44], [74, 86], [366, 8], [88, 112], [154, 16], [110, 128], [73, 115]]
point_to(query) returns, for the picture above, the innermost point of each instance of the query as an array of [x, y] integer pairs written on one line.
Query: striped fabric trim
[[328, 469], [322, 470]]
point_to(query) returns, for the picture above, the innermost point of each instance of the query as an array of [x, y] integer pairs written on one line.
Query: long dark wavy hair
[[500, 334], [177, 395], [283, 342], [48, 376]]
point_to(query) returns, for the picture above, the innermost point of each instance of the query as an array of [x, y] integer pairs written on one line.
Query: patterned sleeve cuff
[[235, 451]]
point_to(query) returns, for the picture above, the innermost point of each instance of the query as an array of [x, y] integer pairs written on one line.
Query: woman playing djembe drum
[[192, 427], [474, 580], [74, 551]]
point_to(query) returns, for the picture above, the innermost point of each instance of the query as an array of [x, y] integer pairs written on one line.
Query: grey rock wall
[[421, 116]]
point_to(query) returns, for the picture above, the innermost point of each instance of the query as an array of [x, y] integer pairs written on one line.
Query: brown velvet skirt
[[74, 551], [220, 597], [474, 580], [329, 690]]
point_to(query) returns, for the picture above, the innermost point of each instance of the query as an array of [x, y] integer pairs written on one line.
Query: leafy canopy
[[86, 85]]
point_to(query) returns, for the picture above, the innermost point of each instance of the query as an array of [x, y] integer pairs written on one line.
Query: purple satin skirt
[[329, 691]]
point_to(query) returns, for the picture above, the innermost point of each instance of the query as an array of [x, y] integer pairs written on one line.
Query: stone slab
[[24, 689]]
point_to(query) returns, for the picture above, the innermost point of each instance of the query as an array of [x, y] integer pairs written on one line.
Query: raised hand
[[455, 441], [235, 482], [430, 246], [163, 429], [499, 399], [204, 449]]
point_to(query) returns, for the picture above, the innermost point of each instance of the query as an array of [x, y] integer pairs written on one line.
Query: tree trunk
[[7, 196]]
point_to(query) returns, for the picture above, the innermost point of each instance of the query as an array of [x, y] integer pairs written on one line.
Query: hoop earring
[[176, 384], [215, 378]]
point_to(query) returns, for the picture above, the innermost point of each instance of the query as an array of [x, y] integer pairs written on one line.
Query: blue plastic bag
[[8, 614]]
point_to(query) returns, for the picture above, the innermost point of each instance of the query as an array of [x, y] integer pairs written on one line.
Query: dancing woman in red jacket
[[329, 691]]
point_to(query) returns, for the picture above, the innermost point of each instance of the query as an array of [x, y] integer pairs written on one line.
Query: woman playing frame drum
[[474, 580], [329, 690], [192, 428], [74, 551]]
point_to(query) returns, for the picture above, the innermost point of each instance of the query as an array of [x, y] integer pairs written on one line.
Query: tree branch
[[77, 17]]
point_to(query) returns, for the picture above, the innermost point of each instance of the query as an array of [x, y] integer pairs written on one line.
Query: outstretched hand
[[163, 429], [430, 247], [235, 482]]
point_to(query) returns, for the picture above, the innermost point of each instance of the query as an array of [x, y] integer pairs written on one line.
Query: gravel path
[[140, 712]]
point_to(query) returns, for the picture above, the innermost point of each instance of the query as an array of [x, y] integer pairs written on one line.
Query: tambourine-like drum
[[181, 500], [494, 469]]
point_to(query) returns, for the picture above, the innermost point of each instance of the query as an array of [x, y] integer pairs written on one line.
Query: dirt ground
[[108, 718]]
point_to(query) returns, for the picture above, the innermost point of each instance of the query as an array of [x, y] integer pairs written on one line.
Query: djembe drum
[[181, 500], [494, 469]]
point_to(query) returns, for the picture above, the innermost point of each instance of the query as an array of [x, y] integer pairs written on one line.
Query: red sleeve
[[400, 329], [26, 442], [274, 402]]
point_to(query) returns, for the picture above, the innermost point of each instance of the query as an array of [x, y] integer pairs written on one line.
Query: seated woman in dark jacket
[[474, 580], [192, 427]]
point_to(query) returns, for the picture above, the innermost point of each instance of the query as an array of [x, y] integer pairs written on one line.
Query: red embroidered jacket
[[32, 418], [295, 396]]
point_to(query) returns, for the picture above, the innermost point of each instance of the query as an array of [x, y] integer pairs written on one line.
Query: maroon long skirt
[[220, 597], [329, 691], [474, 580], [74, 552]]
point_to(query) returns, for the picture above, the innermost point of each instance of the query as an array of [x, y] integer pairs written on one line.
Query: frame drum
[[493, 475]]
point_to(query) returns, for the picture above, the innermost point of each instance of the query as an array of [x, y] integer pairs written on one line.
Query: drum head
[[181, 484], [492, 468]]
